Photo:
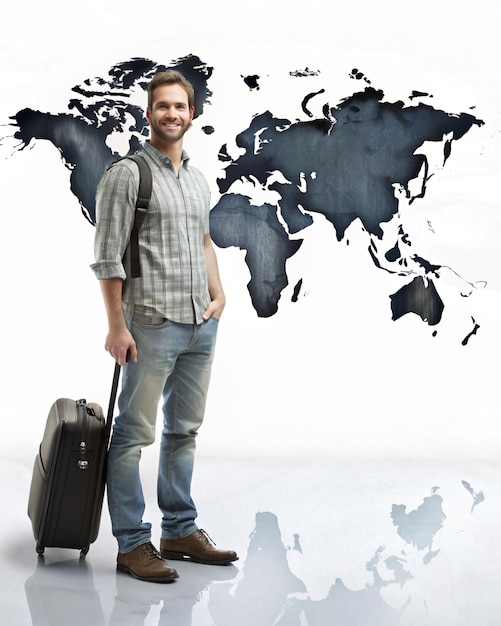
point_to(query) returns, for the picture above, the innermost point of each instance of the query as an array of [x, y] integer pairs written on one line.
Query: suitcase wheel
[[40, 549], [84, 551]]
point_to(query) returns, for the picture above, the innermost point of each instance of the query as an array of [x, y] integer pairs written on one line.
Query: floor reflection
[[264, 592], [135, 600], [64, 593], [266, 584], [429, 563]]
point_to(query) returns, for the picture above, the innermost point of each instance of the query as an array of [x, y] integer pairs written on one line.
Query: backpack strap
[[143, 199]]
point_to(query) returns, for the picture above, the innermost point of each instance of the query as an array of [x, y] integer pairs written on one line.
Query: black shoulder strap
[[143, 199]]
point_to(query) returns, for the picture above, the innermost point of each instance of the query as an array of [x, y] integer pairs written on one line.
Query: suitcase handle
[[113, 397]]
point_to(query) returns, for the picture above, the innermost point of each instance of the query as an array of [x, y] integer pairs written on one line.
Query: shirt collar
[[161, 158]]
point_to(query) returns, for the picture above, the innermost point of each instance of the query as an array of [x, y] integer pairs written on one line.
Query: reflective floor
[[320, 543]]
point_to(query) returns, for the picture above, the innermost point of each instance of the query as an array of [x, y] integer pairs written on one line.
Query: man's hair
[[171, 77]]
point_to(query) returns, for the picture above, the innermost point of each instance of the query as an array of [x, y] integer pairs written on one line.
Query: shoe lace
[[150, 551], [205, 537]]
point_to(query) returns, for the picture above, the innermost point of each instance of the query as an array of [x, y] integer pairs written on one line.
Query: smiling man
[[166, 321]]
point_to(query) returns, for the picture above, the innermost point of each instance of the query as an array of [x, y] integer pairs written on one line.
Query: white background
[[391, 409], [331, 375]]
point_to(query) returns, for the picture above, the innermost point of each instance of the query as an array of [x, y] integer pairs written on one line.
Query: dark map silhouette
[[344, 166]]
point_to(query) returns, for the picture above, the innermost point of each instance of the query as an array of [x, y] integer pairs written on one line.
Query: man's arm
[[218, 299], [119, 340], [115, 207]]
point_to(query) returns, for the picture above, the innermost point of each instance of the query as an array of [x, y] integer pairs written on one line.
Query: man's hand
[[120, 342], [215, 309], [218, 299]]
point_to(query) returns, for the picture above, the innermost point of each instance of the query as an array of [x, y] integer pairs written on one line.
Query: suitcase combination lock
[[83, 464]]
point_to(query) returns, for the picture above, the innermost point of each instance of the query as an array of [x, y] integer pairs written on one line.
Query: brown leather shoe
[[197, 547], [145, 563]]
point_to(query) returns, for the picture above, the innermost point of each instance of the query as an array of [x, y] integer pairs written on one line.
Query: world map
[[356, 162]]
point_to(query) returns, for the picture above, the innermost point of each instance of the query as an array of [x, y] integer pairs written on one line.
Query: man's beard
[[172, 135]]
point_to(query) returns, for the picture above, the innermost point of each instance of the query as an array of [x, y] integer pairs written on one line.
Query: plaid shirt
[[173, 281]]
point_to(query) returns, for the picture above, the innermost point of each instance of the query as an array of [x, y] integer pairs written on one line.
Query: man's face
[[170, 115]]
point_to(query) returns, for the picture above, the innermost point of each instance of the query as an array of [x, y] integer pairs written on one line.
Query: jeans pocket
[[149, 321]]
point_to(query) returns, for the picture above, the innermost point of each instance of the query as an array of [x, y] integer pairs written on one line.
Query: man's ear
[[148, 113], [192, 112]]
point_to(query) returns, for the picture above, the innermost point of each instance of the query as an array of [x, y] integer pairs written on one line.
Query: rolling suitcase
[[69, 474]]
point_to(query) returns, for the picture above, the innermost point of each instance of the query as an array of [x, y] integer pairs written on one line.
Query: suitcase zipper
[[83, 463]]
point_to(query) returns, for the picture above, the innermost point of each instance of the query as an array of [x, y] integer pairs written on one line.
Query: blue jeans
[[174, 365]]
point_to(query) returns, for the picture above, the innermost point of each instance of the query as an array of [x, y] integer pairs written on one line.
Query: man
[[165, 322]]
